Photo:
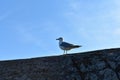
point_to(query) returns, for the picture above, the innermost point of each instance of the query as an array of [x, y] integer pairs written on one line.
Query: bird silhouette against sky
[[66, 46]]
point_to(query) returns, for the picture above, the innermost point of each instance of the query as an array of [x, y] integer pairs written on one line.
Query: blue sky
[[29, 28]]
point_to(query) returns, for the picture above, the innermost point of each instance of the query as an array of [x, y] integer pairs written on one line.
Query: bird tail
[[76, 46]]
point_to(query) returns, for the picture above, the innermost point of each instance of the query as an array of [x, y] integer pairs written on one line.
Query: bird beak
[[57, 39]]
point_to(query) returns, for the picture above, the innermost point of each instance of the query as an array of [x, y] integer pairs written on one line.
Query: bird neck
[[60, 41]]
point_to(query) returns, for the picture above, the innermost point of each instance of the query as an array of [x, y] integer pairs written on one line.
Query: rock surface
[[94, 65]]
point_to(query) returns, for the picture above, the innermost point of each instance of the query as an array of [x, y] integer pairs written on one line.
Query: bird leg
[[65, 52]]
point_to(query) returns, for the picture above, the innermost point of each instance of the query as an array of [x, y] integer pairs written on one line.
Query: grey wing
[[65, 44]]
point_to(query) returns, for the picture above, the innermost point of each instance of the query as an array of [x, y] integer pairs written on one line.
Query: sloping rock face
[[94, 65]]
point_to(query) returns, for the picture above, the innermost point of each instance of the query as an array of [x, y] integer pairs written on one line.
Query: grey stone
[[94, 65]]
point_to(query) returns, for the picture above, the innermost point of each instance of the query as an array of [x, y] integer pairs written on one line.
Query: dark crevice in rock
[[109, 66], [82, 75]]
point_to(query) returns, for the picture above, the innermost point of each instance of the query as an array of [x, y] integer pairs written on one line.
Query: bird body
[[66, 46]]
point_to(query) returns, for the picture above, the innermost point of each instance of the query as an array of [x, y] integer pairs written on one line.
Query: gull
[[66, 46]]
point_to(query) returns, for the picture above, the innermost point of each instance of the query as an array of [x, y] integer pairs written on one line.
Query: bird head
[[60, 39]]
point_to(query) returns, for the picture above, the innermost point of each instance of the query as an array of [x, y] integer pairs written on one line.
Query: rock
[[94, 65]]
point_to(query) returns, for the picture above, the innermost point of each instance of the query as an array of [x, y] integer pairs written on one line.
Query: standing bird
[[66, 46]]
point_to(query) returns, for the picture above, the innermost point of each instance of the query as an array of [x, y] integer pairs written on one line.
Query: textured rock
[[94, 65]]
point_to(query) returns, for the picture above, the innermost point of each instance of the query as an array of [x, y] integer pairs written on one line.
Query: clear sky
[[29, 28]]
